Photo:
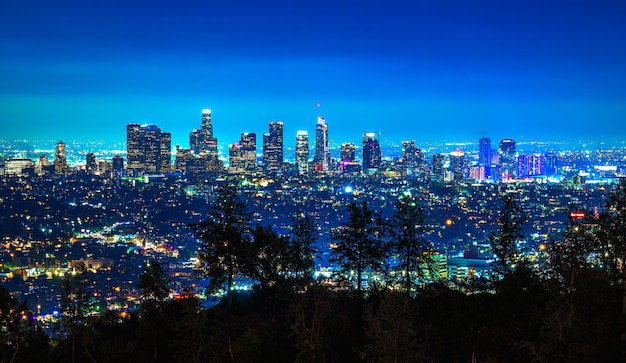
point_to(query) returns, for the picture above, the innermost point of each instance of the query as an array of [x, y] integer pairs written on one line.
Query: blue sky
[[423, 70]]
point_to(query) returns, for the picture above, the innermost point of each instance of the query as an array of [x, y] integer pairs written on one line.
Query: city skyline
[[421, 71]]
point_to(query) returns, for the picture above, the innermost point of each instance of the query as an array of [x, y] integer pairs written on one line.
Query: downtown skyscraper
[[60, 159], [372, 155], [484, 155], [321, 159], [273, 147], [508, 159], [412, 158], [458, 165], [90, 163], [302, 151], [242, 154], [347, 162], [203, 156], [202, 141], [148, 149]]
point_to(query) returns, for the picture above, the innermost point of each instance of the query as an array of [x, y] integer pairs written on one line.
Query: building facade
[[242, 154], [321, 159], [273, 147], [302, 152], [60, 159], [148, 149], [508, 159], [372, 155]]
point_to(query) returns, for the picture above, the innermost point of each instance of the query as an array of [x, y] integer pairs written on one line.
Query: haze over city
[[429, 71]]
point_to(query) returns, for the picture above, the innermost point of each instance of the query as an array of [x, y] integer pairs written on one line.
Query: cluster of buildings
[[149, 152]]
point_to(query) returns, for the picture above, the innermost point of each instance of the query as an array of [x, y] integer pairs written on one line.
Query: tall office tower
[[134, 152], [202, 141], [484, 155], [242, 154], [194, 137], [508, 159], [371, 151], [148, 149], [273, 147], [302, 151], [42, 164], [236, 158], [248, 143], [458, 165], [60, 159], [182, 156], [412, 158], [348, 152], [550, 166], [166, 152], [347, 162], [438, 165], [117, 164], [321, 159], [90, 163]]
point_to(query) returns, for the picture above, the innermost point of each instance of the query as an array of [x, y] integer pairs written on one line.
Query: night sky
[[431, 71]]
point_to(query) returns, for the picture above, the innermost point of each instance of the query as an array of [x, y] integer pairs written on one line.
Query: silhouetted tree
[[409, 244], [75, 307], [223, 241], [504, 241], [301, 251], [153, 287], [266, 259], [571, 253], [15, 325], [613, 227], [153, 282], [359, 246]]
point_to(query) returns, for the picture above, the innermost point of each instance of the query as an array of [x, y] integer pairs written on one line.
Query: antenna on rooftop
[[482, 133]]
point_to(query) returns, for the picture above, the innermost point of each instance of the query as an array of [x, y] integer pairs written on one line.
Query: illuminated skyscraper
[[43, 165], [508, 159], [148, 149], [458, 165], [90, 163], [273, 147], [348, 161], [412, 158], [484, 155], [117, 164], [242, 154], [134, 148], [371, 152], [321, 159], [166, 153], [182, 156], [438, 165], [302, 151], [60, 159], [348, 152], [202, 141]]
